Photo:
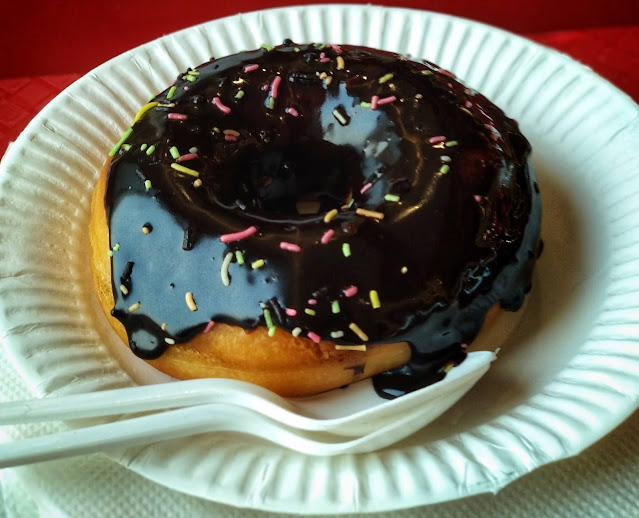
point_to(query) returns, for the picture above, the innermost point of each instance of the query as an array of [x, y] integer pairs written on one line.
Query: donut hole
[[301, 178]]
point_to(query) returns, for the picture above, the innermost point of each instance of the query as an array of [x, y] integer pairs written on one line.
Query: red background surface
[[52, 37]]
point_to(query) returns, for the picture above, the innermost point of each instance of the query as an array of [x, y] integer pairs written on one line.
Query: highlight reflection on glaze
[[373, 184]]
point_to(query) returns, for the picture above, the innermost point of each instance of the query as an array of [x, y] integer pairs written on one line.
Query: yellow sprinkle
[[466, 110], [386, 77], [449, 367], [190, 302], [404, 269], [358, 331], [330, 215], [257, 264], [143, 110], [340, 63], [124, 289], [328, 80], [374, 296], [310, 311], [323, 75], [370, 214], [216, 129], [164, 326], [350, 347], [184, 170], [134, 307], [231, 132], [146, 230], [197, 183]]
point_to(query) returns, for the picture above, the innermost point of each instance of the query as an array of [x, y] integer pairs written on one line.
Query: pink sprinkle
[[314, 336], [186, 88], [437, 140], [292, 112], [335, 47], [312, 302], [291, 247], [251, 68], [209, 326], [477, 198], [220, 106], [469, 104], [324, 60], [188, 156], [178, 116], [326, 237], [291, 312], [374, 101], [351, 291], [464, 346], [230, 138], [322, 55], [365, 187], [275, 86], [386, 100], [446, 73], [236, 236]]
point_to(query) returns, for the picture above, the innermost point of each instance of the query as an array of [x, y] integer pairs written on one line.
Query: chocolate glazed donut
[[338, 193]]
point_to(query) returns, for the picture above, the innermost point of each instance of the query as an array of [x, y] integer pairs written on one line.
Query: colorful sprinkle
[[426, 72], [364, 104], [340, 63], [177, 116], [296, 332], [224, 272], [239, 257], [147, 185], [230, 138], [444, 169], [193, 150], [275, 86], [258, 264], [170, 93], [134, 307], [291, 312], [337, 334], [451, 143], [239, 94], [448, 367], [341, 118], [312, 302], [169, 341], [290, 247], [266, 47], [209, 326], [164, 326], [350, 347], [326, 237], [437, 139], [365, 187], [310, 312], [267, 318], [146, 230], [445, 158], [477, 198], [271, 103], [314, 336], [374, 102], [143, 110], [386, 100], [197, 183], [404, 270], [335, 47], [251, 68], [124, 289], [150, 151], [328, 217], [236, 236], [346, 249], [174, 152], [185, 170], [187, 157], [392, 197], [143, 147], [292, 112], [221, 106], [190, 301], [464, 346], [351, 291], [369, 214], [124, 136], [374, 296], [358, 331], [116, 247], [335, 307], [385, 77]]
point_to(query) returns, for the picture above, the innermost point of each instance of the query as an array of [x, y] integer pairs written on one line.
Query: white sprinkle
[[297, 331], [340, 117], [124, 289], [193, 150], [169, 341], [337, 334], [190, 302], [444, 158], [224, 273], [164, 326], [350, 347], [134, 307]]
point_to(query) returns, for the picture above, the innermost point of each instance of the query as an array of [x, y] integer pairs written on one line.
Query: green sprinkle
[[171, 91], [271, 331], [386, 77], [150, 150], [350, 203], [267, 318], [126, 147], [239, 256], [185, 170], [124, 136], [147, 185], [116, 247], [296, 49], [257, 264], [426, 72], [444, 169], [271, 103], [364, 104], [310, 311], [174, 152], [451, 143], [266, 47], [143, 147], [392, 197], [346, 249], [110, 253], [189, 77], [335, 307], [239, 94]]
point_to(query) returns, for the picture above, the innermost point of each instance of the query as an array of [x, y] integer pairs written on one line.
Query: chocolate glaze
[[456, 242]]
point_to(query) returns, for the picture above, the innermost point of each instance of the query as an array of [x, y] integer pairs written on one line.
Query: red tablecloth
[[612, 52]]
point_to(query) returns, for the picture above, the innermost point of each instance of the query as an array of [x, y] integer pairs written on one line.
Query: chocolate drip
[[434, 200]]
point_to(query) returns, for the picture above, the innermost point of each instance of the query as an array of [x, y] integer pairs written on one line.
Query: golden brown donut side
[[285, 364]]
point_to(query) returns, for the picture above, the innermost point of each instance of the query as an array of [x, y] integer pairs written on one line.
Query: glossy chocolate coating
[[463, 235]]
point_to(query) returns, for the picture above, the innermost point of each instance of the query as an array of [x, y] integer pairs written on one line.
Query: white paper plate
[[568, 373]]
